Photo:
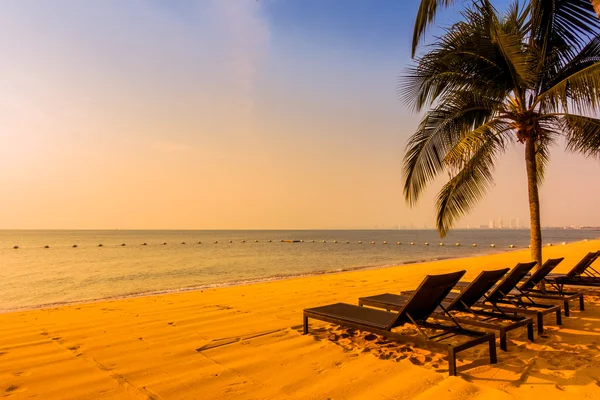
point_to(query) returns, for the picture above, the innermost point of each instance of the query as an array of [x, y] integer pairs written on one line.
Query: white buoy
[[529, 246], [412, 243], [564, 243], [492, 245], [441, 244], [312, 241], [426, 244], [457, 244], [548, 244], [324, 241], [372, 242], [512, 246], [360, 242], [301, 241], [384, 242], [398, 243], [474, 244], [335, 241], [269, 240]]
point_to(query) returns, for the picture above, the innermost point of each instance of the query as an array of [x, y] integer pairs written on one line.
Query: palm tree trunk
[[534, 202]]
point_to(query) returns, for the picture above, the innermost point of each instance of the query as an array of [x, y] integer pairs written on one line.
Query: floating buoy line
[[372, 242]]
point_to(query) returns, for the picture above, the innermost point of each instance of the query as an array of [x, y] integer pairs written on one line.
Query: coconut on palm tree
[[530, 76]]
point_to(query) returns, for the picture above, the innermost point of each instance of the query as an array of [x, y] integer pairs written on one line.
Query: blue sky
[[220, 114]]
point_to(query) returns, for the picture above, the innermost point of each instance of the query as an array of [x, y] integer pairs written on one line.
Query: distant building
[[500, 226], [492, 224]]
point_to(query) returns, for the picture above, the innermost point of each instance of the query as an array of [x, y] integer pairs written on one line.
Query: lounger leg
[[492, 345], [581, 306], [540, 323], [566, 308], [305, 329], [558, 318], [503, 344], [530, 331], [452, 362]]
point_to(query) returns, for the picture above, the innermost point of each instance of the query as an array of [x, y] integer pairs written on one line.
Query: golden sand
[[245, 342]]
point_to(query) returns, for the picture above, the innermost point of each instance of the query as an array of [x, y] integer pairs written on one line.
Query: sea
[[47, 268]]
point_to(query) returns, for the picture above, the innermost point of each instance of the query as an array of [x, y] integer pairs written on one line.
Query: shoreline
[[246, 282]]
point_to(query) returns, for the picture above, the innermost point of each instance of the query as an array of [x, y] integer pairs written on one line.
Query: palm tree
[[492, 80]]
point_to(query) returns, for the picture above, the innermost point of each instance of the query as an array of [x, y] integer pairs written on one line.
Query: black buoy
[[100, 245], [144, 244], [164, 243], [46, 247], [122, 244], [15, 247], [182, 242], [74, 245], [199, 242]]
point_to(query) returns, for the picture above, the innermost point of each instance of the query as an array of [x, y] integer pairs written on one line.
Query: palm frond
[[563, 24], [469, 185], [579, 91], [438, 132], [473, 55], [425, 16], [583, 134]]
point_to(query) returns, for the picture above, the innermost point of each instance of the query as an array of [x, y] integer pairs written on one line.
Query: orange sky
[[220, 122]]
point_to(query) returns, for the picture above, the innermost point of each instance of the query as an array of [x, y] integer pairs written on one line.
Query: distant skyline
[[270, 114]]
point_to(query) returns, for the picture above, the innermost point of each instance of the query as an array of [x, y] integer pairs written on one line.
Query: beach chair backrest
[[510, 281], [428, 296], [536, 277], [476, 289], [583, 264]]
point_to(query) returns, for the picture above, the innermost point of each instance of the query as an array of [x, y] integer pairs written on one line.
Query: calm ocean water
[[33, 275]]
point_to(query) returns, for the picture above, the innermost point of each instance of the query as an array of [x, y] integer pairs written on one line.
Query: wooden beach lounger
[[463, 303], [498, 298], [582, 274], [417, 310], [527, 290]]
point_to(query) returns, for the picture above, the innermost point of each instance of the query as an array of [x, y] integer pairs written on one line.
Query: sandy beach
[[245, 342]]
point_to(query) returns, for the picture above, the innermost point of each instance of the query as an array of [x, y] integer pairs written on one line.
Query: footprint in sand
[[11, 388]]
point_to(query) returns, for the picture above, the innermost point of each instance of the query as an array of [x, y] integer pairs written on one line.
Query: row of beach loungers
[[497, 301]]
